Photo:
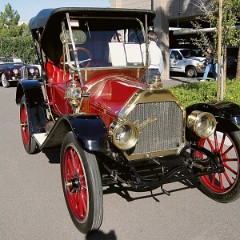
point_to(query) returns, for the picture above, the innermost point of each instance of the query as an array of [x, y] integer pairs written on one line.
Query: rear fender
[[32, 91]]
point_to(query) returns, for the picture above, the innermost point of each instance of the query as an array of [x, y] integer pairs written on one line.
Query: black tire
[[223, 187], [191, 72], [82, 187], [29, 143], [4, 81]]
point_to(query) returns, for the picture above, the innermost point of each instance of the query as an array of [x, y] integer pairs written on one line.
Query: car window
[[175, 54], [187, 53], [113, 46], [191, 53]]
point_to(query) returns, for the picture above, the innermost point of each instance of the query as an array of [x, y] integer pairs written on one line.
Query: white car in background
[[186, 60]]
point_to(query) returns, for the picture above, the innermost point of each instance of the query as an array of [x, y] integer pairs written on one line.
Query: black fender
[[224, 109], [89, 130], [32, 91], [227, 115]]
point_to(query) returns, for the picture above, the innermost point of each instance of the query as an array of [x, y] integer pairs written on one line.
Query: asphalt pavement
[[32, 205], [175, 80]]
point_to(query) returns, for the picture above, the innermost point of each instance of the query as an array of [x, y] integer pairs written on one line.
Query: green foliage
[[9, 22], [230, 35], [15, 40], [205, 92], [21, 47]]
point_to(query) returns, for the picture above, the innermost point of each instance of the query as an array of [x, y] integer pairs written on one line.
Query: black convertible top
[[57, 14], [46, 25]]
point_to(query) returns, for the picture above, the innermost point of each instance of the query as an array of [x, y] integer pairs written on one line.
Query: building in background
[[170, 14]]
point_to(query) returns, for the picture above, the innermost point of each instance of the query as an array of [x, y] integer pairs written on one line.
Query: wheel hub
[[23, 126], [73, 185]]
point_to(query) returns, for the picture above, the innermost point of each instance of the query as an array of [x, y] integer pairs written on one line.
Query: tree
[[230, 35], [238, 59], [238, 65], [9, 22], [15, 39]]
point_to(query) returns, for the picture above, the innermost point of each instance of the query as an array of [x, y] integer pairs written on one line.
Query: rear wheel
[[191, 71], [29, 143], [81, 182], [223, 187], [5, 82]]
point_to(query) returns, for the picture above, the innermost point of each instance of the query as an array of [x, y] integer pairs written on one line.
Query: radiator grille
[[165, 133]]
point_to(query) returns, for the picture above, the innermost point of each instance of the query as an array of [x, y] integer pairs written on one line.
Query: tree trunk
[[224, 71], [220, 90], [238, 65]]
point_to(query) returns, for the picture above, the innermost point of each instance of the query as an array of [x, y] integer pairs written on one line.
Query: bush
[[21, 47], [205, 92]]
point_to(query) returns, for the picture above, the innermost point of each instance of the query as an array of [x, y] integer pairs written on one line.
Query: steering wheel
[[85, 61]]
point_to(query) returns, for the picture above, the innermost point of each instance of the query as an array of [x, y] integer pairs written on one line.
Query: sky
[[29, 8]]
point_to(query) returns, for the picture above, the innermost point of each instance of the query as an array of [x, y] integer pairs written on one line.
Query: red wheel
[[24, 124], [29, 143], [223, 187], [81, 185]]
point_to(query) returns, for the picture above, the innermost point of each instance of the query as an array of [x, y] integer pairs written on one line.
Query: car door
[[176, 61]]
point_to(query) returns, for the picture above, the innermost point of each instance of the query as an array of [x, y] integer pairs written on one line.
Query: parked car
[[13, 70], [188, 61], [111, 127]]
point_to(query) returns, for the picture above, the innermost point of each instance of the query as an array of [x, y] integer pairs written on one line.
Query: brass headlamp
[[124, 134], [203, 124]]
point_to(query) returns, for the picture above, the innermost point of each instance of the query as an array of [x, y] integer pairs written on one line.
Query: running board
[[40, 138]]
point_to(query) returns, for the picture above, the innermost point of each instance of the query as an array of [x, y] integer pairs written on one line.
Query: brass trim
[[155, 154], [148, 96]]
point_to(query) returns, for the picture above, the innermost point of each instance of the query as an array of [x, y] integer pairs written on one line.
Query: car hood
[[110, 94], [200, 59]]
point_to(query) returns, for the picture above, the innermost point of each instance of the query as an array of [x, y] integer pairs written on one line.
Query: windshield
[[191, 53], [111, 45]]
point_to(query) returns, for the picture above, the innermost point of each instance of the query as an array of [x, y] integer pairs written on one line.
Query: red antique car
[[112, 127]]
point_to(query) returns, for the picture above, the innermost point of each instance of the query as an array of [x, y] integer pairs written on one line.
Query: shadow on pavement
[[99, 235]]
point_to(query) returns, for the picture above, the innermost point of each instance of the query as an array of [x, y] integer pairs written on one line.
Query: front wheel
[[191, 71], [81, 182], [223, 187]]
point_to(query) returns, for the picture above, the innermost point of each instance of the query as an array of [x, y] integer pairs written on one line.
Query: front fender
[[89, 130], [221, 110]]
